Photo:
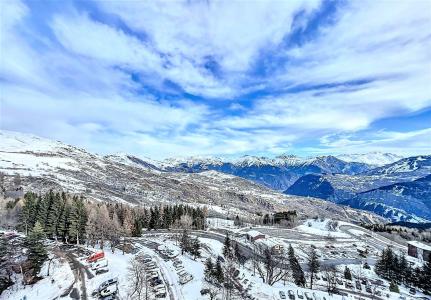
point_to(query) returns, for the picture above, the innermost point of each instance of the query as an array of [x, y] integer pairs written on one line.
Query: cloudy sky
[[229, 78]]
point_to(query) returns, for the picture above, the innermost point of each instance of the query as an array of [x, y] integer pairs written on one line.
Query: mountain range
[[393, 187], [32, 163]]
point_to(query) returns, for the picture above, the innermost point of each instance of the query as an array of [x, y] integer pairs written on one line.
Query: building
[[254, 235], [419, 250]]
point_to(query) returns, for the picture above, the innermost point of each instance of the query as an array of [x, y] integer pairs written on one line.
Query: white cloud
[[76, 85], [403, 143]]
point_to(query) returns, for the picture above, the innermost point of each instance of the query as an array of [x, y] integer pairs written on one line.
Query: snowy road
[[173, 289]]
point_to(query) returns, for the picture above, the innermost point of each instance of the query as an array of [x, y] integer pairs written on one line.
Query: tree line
[[74, 219], [397, 269]]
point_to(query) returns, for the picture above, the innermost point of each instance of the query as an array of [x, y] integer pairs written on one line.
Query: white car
[[109, 290], [186, 278], [300, 294]]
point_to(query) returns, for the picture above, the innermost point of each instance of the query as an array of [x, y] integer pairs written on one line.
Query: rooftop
[[420, 245], [254, 233]]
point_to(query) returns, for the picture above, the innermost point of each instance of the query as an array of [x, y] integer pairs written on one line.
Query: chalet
[[254, 235], [419, 250]]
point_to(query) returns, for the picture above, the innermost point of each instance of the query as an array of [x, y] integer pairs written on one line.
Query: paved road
[[173, 291], [246, 250], [374, 239]]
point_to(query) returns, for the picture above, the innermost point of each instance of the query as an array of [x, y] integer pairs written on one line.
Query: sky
[[219, 78]]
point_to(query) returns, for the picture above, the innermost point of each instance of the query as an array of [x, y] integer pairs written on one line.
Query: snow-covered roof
[[420, 245], [270, 242], [254, 233]]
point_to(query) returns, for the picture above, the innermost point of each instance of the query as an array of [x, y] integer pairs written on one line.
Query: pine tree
[[36, 250], [403, 267], [137, 227], [347, 273], [3, 248], [425, 278], [297, 272], [218, 272], [28, 212], [64, 221], [227, 248], [238, 254], [209, 268], [78, 219], [185, 242], [393, 287], [153, 219], [237, 221], [313, 265], [196, 248]]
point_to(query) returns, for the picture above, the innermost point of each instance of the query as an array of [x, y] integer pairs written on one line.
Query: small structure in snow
[[419, 250], [254, 235]]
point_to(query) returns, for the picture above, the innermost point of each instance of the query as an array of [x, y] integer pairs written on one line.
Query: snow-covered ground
[[340, 250], [318, 227], [58, 282]]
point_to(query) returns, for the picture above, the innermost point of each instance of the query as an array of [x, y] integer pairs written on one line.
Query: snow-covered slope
[[371, 158], [43, 164]]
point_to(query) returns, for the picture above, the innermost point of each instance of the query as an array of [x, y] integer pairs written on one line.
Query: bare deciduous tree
[[138, 284], [331, 275], [271, 268]]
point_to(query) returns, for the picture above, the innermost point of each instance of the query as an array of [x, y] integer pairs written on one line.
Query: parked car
[[109, 290], [412, 291], [339, 281], [308, 296], [368, 289], [102, 271], [186, 278], [358, 285], [107, 283], [101, 263], [300, 294], [282, 295], [316, 297], [96, 256], [291, 294]]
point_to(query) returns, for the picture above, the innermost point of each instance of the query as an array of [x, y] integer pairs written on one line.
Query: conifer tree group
[[74, 219], [395, 268]]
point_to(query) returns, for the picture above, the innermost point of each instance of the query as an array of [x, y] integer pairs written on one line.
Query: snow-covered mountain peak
[[12, 141], [372, 158], [249, 160], [191, 161]]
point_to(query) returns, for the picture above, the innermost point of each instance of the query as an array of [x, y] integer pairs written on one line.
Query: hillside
[[44, 164]]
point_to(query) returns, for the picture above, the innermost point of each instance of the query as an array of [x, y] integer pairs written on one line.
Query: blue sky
[[228, 78]]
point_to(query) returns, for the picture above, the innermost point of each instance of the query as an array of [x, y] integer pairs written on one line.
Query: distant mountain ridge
[[277, 173], [400, 191]]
